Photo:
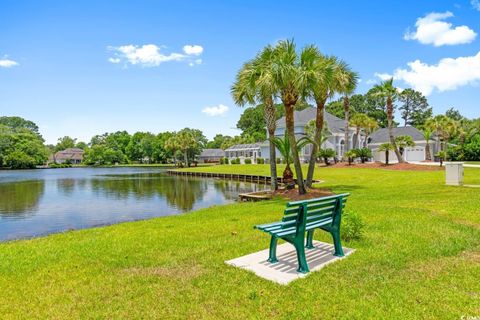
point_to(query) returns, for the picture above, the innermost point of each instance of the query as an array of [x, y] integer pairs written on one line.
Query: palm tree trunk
[[318, 139], [356, 143], [390, 130], [346, 108], [273, 162], [270, 120], [428, 154], [185, 155], [293, 146], [386, 157]]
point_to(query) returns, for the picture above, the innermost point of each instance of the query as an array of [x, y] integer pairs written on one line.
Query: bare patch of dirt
[[294, 196], [395, 166]]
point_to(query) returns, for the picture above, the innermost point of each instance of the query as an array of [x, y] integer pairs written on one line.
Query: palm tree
[[450, 129], [253, 85], [370, 126], [387, 90], [427, 135], [186, 140], [331, 76], [444, 128], [435, 125], [358, 121], [320, 89], [404, 142], [285, 149], [347, 81], [386, 147], [292, 75], [171, 144], [350, 154]]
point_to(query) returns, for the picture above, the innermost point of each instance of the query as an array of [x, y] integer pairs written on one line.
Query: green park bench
[[305, 216]]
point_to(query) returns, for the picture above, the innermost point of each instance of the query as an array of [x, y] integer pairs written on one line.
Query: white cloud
[[448, 74], [7, 63], [194, 50], [193, 63], [431, 29], [475, 4], [383, 76], [150, 55], [215, 111]]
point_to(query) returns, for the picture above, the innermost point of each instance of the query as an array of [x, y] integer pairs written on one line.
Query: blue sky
[[81, 68]]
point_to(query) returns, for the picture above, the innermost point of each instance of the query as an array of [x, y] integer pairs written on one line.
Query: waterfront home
[[415, 153], [335, 140], [69, 155], [245, 151], [211, 155]]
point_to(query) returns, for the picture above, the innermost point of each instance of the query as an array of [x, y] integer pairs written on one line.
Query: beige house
[[71, 155]]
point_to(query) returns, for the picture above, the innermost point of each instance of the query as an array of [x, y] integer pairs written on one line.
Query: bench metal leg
[[273, 250], [337, 243], [310, 240], [302, 261]]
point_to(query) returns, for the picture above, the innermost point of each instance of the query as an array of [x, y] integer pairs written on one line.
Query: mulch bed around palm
[[294, 196], [396, 166]]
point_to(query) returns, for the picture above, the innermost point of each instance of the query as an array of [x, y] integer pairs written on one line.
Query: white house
[[416, 153], [335, 141], [244, 151]]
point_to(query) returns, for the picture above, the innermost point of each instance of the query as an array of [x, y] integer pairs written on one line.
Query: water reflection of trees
[[67, 186], [180, 192], [20, 199], [231, 189]]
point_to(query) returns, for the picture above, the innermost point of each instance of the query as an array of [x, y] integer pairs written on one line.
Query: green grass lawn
[[420, 258]]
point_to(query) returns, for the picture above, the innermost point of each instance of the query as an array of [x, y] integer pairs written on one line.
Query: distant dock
[[227, 176]]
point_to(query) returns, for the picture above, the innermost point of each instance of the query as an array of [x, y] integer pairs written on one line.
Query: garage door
[[378, 155], [415, 154]]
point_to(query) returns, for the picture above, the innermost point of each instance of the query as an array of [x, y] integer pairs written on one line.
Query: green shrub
[[19, 160], [279, 161], [260, 161], [326, 154], [248, 161], [352, 226], [472, 149], [364, 154], [235, 161]]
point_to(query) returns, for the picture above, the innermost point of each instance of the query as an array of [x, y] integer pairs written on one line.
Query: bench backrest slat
[[315, 210]]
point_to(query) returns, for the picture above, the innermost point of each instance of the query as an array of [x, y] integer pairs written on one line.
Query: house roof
[[334, 124], [381, 135], [212, 153], [70, 154], [241, 147]]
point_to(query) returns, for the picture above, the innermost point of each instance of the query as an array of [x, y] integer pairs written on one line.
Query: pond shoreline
[[35, 203]]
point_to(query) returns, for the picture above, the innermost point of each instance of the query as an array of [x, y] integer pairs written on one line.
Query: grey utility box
[[454, 173]]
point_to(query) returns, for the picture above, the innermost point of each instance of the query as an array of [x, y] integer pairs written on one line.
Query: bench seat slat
[[280, 232]]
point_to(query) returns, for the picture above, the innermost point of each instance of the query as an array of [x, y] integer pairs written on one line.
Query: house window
[[342, 148]]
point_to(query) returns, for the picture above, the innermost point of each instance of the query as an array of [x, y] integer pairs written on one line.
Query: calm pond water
[[38, 202]]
